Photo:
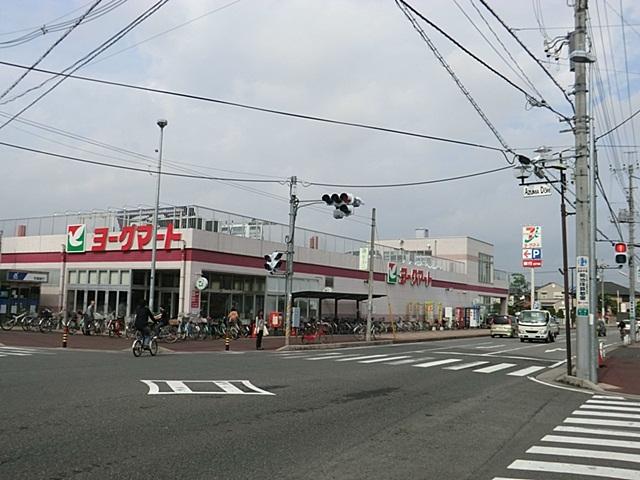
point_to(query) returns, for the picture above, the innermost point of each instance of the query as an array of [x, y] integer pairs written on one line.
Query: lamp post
[[523, 171], [152, 287]]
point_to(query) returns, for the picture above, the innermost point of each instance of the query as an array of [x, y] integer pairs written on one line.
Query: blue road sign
[[536, 253]]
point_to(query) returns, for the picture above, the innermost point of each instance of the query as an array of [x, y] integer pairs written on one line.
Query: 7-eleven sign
[[392, 273], [76, 238]]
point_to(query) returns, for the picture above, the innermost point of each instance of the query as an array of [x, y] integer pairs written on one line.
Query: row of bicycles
[[45, 321]]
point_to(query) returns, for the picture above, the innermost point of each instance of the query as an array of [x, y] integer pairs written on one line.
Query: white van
[[537, 325]]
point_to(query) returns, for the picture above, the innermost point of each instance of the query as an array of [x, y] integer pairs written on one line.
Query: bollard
[[65, 333], [226, 342]]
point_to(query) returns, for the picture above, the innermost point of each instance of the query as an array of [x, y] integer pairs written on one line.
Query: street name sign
[[582, 289], [536, 190]]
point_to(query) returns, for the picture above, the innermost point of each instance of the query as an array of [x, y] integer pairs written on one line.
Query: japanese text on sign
[[414, 277], [133, 237]]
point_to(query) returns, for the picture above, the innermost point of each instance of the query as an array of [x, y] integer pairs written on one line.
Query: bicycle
[[315, 332], [138, 346], [8, 322]]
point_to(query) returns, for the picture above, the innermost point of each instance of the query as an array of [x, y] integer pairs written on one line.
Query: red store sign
[[131, 237]]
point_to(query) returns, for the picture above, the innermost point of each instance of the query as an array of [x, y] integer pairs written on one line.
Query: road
[[458, 409]]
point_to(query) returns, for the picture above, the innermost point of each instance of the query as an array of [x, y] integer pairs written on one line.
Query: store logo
[[76, 238], [392, 273]]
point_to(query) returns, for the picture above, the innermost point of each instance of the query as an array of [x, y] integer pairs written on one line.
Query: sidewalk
[[621, 373], [19, 338]]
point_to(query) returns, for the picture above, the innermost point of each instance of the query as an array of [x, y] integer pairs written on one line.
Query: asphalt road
[[459, 409]]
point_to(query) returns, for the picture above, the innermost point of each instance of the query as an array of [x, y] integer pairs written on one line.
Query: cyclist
[[162, 320], [143, 315]]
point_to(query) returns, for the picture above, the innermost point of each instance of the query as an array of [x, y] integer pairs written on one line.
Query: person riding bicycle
[[162, 320], [143, 315], [621, 327]]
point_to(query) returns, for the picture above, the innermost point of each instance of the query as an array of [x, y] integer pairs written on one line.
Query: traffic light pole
[[370, 285], [288, 279], [632, 261]]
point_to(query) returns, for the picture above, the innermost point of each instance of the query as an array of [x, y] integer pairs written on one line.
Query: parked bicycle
[[10, 321]]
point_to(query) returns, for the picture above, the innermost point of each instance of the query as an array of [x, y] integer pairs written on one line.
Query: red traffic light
[[621, 247]]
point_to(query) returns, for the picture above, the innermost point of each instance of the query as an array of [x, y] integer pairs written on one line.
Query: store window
[[104, 277], [125, 277], [485, 268], [82, 277], [114, 277], [73, 277], [93, 277]]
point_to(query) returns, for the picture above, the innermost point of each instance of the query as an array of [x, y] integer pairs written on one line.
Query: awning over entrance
[[358, 297]]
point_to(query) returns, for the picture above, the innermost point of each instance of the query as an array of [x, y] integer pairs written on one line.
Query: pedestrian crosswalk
[[410, 360], [592, 442], [20, 351]]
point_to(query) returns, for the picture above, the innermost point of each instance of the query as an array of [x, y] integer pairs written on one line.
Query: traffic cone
[[254, 331], [65, 334]]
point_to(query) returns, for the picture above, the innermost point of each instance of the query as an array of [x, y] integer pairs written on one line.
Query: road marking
[[605, 414], [597, 421], [611, 408], [613, 402], [410, 360], [495, 368], [488, 347], [603, 442], [547, 384], [223, 387], [466, 365], [365, 357], [555, 350], [526, 371], [376, 360], [597, 431], [608, 397], [576, 452], [493, 355], [19, 349], [334, 357], [576, 469], [437, 362], [557, 364]]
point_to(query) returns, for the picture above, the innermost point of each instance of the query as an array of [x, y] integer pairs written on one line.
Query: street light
[[152, 289]]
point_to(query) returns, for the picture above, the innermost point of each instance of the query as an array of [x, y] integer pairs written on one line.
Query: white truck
[[537, 325]]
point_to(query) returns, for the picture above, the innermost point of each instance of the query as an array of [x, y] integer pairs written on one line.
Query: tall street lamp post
[[152, 288]]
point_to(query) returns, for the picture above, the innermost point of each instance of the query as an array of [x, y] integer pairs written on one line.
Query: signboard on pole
[[363, 258], [531, 257], [532, 236], [582, 287], [542, 190]]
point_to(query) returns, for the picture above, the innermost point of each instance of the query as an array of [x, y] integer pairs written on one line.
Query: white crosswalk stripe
[[405, 358], [21, 352], [587, 445]]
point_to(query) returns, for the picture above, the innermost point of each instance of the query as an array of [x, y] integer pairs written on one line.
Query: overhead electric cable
[[530, 98], [526, 49], [259, 109], [246, 180], [455, 78], [50, 49]]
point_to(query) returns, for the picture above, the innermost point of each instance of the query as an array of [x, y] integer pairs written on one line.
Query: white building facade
[[74, 258]]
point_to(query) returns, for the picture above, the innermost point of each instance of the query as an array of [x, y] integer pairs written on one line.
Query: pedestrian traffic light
[[273, 262], [343, 202], [621, 253]]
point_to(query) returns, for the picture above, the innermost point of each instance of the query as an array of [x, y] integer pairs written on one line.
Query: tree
[[519, 289]]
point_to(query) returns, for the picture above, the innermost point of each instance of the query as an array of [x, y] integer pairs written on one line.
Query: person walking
[[260, 326]]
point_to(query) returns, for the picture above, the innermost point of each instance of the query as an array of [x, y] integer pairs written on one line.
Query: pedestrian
[[89, 317], [260, 327]]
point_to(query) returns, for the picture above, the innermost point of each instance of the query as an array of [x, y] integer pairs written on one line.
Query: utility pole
[[632, 261], [568, 301], [370, 285], [288, 279], [152, 288], [584, 329]]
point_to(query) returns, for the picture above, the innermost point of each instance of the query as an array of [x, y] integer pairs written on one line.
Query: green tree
[[518, 289]]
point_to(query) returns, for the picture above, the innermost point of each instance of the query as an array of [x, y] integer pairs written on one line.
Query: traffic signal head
[[272, 262], [621, 253], [344, 203]]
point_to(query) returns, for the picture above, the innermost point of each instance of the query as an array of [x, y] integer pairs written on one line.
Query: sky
[[358, 61]]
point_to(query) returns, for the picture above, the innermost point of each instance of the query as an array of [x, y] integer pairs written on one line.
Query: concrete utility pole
[[372, 247], [632, 261], [288, 279], [584, 329]]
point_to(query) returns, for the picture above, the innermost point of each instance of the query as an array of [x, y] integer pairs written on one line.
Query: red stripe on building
[[206, 256]]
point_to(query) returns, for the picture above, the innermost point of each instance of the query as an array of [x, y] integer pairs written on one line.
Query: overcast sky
[[352, 60]]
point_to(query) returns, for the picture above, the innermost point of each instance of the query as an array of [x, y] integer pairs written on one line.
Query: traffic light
[[273, 262], [343, 202], [621, 253]]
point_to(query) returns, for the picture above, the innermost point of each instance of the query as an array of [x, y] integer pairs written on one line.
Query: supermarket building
[[72, 258]]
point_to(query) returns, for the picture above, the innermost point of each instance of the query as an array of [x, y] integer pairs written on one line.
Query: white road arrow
[[554, 350]]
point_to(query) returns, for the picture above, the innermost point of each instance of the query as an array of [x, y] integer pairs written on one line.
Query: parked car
[[504, 326], [601, 328]]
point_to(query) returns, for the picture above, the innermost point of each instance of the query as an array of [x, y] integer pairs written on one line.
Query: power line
[[410, 184], [256, 108], [50, 49], [453, 75], [530, 98], [517, 39]]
